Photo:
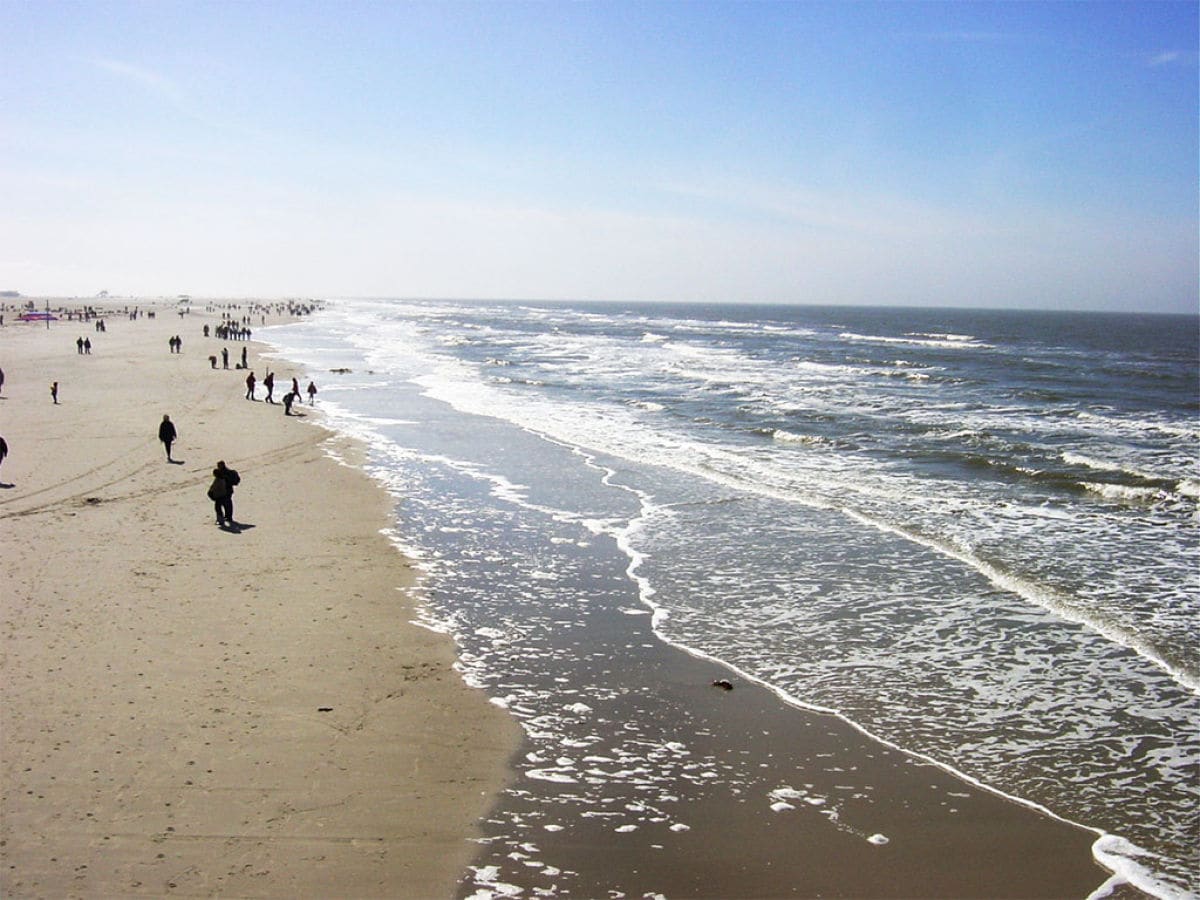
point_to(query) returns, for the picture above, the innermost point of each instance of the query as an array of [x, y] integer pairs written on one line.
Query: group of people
[[176, 344], [288, 399], [230, 331], [83, 345], [212, 360]]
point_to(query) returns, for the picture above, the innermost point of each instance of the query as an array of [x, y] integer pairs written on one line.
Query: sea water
[[972, 534]]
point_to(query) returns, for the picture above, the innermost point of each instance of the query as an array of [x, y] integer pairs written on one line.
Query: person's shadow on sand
[[5, 486], [236, 527], [177, 462]]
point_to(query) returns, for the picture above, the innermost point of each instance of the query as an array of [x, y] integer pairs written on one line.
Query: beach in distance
[[597, 600], [191, 711]]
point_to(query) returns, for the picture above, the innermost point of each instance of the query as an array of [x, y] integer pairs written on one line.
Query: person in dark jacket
[[166, 434], [221, 493]]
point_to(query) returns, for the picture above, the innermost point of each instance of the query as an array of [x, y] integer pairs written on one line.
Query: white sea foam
[[1105, 465], [486, 880], [1090, 462], [952, 338], [1127, 863], [789, 437], [555, 775], [1043, 597], [955, 341], [1124, 492], [1189, 487]]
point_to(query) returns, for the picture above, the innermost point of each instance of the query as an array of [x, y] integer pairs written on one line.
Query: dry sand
[[193, 711]]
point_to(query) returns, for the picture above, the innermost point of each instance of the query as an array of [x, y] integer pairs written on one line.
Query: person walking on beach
[[3, 449], [166, 434], [1, 379], [312, 392], [244, 364], [269, 384], [250, 386], [79, 345], [87, 346], [54, 392], [220, 492], [224, 357]]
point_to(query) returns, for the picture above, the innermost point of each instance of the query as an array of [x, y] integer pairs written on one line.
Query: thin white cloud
[[147, 79], [1167, 58]]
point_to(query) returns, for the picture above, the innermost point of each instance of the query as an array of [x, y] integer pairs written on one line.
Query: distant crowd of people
[[233, 328], [230, 331]]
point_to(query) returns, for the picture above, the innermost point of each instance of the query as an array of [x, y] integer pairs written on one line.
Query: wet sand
[[194, 711], [664, 784]]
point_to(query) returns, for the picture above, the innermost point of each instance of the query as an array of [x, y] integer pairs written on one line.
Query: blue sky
[[992, 154]]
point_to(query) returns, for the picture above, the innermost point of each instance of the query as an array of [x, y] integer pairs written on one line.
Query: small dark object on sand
[[723, 684]]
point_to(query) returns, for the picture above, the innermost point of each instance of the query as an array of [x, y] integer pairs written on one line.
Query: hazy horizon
[[41, 299], [976, 155]]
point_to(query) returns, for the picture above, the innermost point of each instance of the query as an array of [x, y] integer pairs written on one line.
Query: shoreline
[[639, 777], [682, 789], [188, 710]]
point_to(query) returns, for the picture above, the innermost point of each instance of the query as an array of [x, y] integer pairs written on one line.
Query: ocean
[[971, 534]]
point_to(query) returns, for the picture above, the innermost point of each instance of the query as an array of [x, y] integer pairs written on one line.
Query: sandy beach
[[195, 711]]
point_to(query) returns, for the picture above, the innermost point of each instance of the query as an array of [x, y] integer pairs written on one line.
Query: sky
[[1010, 155]]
